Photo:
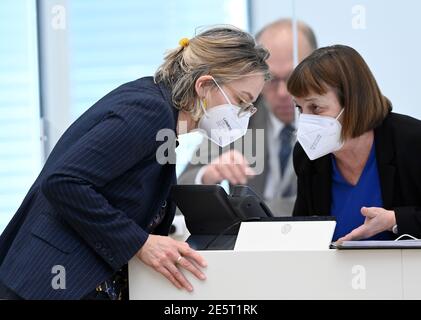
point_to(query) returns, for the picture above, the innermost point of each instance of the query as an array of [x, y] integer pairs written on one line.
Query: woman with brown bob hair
[[356, 159]]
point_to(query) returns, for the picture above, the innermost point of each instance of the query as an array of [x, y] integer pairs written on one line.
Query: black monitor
[[208, 209]]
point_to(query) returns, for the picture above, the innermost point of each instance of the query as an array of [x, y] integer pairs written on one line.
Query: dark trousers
[[7, 294]]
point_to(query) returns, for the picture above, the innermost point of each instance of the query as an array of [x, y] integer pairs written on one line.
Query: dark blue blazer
[[90, 209]]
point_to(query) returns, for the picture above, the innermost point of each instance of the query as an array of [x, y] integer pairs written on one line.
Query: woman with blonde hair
[[101, 198]]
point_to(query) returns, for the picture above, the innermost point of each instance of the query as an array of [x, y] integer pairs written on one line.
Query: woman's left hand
[[166, 255], [376, 220]]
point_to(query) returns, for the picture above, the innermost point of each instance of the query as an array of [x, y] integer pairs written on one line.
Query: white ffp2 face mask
[[222, 124], [319, 135]]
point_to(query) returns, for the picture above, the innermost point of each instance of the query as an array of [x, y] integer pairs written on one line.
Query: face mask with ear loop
[[223, 124], [319, 135]]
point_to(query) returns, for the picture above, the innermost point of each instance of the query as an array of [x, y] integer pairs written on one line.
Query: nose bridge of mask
[[317, 118]]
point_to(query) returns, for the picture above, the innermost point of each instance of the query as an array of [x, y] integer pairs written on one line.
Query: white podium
[[278, 275]]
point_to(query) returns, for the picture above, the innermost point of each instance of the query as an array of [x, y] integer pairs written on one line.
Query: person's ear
[[201, 85]]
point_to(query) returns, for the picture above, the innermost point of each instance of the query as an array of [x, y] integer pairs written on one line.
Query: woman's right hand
[[231, 166], [165, 255]]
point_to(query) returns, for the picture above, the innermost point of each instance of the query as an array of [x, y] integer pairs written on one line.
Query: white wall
[[266, 11], [390, 41]]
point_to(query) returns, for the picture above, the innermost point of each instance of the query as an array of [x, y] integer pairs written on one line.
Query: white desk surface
[[276, 275]]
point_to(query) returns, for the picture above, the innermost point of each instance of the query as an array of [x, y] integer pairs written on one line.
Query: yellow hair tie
[[184, 42]]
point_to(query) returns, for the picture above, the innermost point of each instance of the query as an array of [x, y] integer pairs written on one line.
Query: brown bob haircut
[[344, 70]]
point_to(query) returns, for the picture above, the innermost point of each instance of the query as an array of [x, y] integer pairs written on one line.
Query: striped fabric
[[89, 209]]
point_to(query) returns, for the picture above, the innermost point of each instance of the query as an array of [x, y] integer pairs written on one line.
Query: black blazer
[[398, 152], [91, 208]]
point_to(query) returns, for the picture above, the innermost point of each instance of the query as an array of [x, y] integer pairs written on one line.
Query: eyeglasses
[[273, 83], [246, 108]]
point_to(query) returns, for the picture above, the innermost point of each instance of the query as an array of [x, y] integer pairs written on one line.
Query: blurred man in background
[[276, 183]]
